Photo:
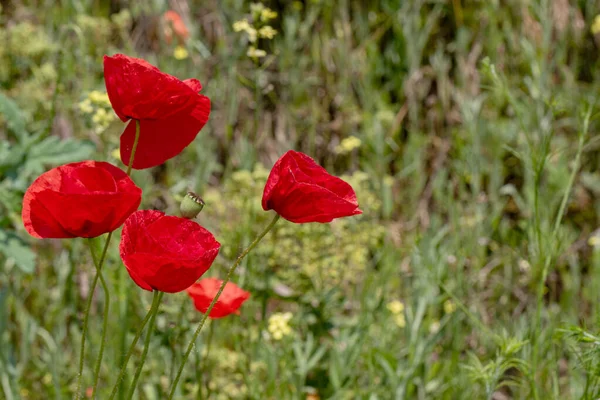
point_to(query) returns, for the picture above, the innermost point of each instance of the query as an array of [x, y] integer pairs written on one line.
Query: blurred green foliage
[[463, 126]]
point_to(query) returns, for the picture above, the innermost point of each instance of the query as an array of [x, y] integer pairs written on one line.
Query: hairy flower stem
[[93, 288], [105, 316], [129, 353], [87, 314], [212, 304], [153, 312]]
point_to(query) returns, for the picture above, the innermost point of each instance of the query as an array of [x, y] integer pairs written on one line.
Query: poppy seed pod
[[191, 205]]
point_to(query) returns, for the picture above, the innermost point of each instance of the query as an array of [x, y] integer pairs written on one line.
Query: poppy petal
[[163, 139], [301, 191], [139, 90], [84, 199]]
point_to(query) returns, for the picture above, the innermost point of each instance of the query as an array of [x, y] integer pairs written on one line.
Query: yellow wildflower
[[400, 320], [241, 25], [116, 153], [180, 53], [99, 98], [86, 106], [595, 28], [395, 307], [255, 53], [279, 325], [100, 116], [594, 241], [267, 32], [434, 327], [267, 14], [348, 144], [257, 7], [252, 34], [449, 307]]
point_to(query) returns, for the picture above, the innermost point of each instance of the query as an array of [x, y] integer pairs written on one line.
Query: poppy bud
[[191, 205], [301, 191]]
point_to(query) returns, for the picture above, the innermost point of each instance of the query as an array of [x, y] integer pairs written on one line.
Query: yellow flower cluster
[[257, 27], [279, 325], [595, 28], [348, 144], [97, 106], [396, 307]]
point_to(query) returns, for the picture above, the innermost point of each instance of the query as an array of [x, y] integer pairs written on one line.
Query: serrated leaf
[[16, 250], [10, 155], [52, 151], [12, 114]]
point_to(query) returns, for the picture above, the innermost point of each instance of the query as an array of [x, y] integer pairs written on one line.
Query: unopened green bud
[[191, 205]]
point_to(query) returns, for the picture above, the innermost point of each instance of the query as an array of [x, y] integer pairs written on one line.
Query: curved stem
[[212, 304], [93, 288], [105, 316], [87, 313], [135, 144], [129, 353], [153, 311]]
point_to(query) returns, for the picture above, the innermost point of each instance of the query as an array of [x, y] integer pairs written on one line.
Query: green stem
[[87, 314], [204, 362], [129, 353], [95, 283], [135, 144], [105, 316], [153, 312], [212, 304], [557, 222]]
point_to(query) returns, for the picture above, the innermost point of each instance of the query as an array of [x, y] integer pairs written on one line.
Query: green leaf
[[16, 251], [52, 151], [14, 117]]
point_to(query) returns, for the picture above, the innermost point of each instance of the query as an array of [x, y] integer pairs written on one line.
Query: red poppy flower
[[204, 291], [83, 199], [170, 111], [166, 253], [174, 24], [301, 191]]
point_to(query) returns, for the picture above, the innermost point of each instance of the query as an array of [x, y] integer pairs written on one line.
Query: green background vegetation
[[477, 169]]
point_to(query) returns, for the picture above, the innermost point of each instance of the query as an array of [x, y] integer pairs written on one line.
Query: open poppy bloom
[[170, 111], [204, 291], [166, 253], [82, 199], [301, 191]]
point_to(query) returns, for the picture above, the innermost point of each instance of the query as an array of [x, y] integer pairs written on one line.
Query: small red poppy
[[83, 199], [166, 253], [170, 111], [174, 24], [204, 291], [301, 191]]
